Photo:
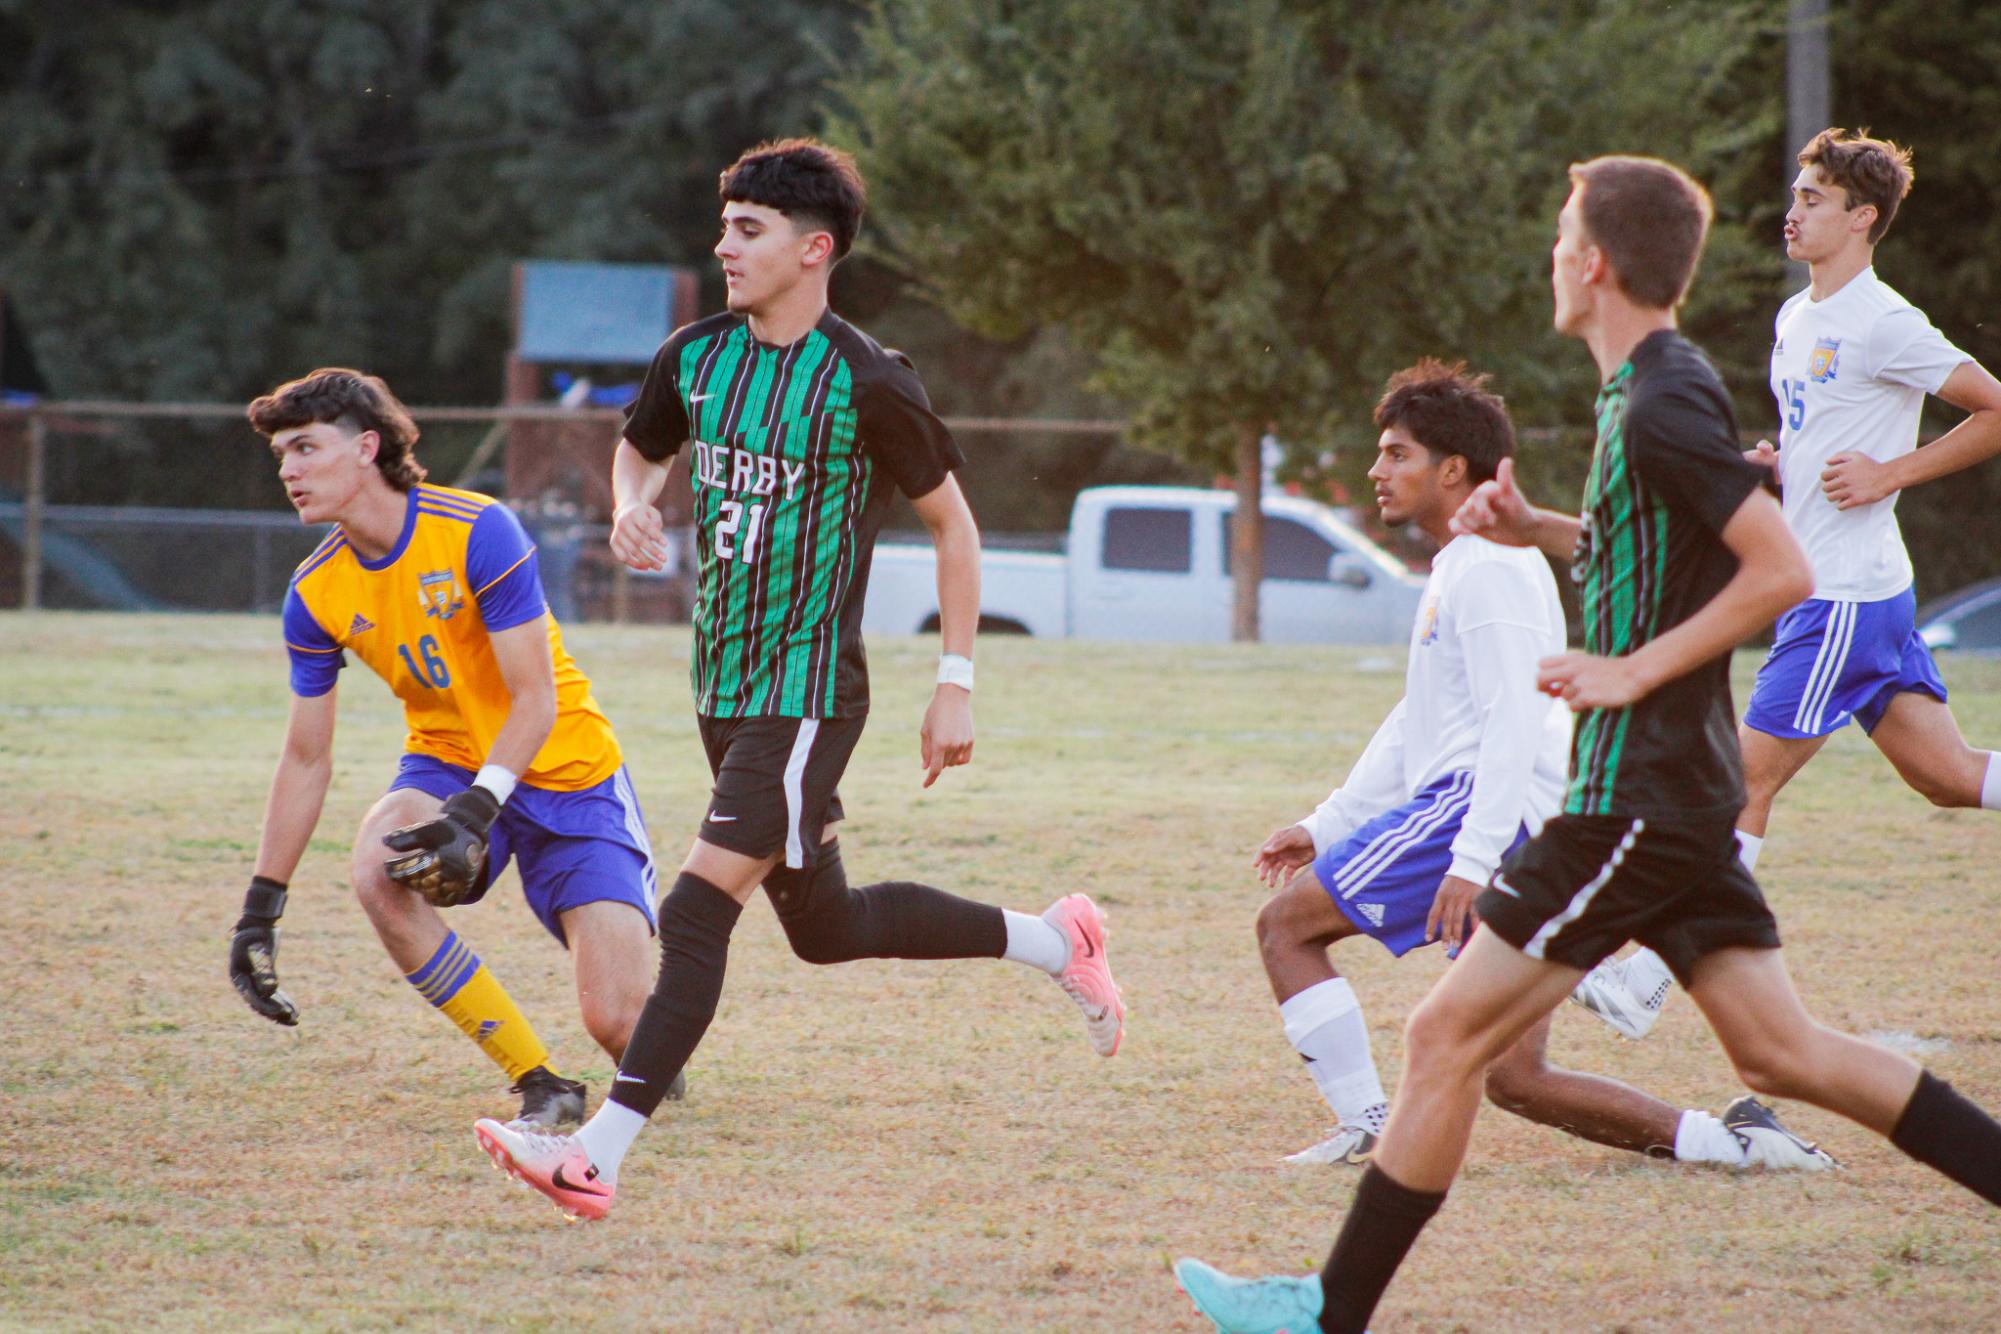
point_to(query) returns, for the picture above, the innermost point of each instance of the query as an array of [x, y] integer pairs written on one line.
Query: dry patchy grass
[[884, 1146]]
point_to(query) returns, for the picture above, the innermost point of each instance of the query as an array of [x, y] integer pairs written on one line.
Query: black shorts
[[775, 782], [1587, 884]]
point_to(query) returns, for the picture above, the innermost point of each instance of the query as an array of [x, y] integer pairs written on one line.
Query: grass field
[[886, 1146]]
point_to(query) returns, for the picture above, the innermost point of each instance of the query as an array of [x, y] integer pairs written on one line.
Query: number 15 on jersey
[[1794, 393]]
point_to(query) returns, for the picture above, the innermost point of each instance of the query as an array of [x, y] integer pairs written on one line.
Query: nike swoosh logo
[[1090, 950], [720, 819], [700, 398], [556, 1178], [629, 1079]]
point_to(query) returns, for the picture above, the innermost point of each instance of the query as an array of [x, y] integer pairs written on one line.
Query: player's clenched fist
[[442, 857], [253, 952], [639, 536]]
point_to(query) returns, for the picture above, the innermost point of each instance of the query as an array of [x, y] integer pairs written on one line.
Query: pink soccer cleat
[[1087, 978], [556, 1165]]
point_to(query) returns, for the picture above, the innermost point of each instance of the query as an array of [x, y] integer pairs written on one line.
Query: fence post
[[31, 538]]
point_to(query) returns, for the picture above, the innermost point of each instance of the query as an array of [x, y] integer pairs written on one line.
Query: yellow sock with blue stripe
[[456, 982]]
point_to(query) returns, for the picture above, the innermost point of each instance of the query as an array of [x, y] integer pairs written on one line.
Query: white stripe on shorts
[[1837, 637], [795, 769], [1387, 846], [1581, 900], [635, 825]]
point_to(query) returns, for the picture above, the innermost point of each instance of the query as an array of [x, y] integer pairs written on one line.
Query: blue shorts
[[1384, 876], [1832, 661], [575, 847]]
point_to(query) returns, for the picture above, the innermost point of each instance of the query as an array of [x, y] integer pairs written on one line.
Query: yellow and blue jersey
[[421, 617]]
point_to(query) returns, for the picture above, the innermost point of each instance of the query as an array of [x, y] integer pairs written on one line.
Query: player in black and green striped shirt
[[799, 430], [1680, 557]]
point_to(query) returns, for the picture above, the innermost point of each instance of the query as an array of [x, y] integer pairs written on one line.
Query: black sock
[[829, 922], [1381, 1227], [1944, 1130], [696, 919]]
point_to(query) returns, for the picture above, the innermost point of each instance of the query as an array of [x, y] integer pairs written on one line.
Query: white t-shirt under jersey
[[1851, 373], [1490, 613]]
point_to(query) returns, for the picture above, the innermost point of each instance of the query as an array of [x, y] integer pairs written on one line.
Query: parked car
[[1968, 620], [1153, 563]]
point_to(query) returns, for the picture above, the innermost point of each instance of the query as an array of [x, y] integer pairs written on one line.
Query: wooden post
[[31, 540], [1247, 537]]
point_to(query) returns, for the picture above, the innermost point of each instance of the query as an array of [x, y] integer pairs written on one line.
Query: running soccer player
[[801, 431], [1852, 362], [1680, 555], [508, 755], [1468, 764]]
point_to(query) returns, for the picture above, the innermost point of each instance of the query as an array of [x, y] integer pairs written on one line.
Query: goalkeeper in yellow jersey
[[508, 755]]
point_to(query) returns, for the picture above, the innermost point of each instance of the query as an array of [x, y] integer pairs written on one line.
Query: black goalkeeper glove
[[443, 857], [253, 952]]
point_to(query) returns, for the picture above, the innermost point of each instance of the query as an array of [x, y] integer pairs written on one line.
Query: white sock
[[1748, 847], [608, 1135], [1031, 940], [1643, 973], [1990, 786], [1324, 1024], [1701, 1138]]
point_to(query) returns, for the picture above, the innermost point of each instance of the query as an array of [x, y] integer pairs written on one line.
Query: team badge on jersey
[[1824, 362], [439, 594], [1427, 622]]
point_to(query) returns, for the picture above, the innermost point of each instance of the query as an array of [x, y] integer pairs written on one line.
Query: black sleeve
[[902, 433], [657, 421], [1684, 439]]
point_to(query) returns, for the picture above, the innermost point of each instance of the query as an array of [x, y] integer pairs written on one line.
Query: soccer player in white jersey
[[1469, 764], [1852, 362]]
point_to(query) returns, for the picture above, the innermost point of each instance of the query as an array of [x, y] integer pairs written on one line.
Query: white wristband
[[954, 670], [497, 779]]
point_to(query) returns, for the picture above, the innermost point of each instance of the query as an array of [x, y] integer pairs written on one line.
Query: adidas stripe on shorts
[[1833, 661], [1384, 876]]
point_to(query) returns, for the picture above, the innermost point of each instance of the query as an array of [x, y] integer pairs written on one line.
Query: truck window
[[1149, 539], [1292, 550]]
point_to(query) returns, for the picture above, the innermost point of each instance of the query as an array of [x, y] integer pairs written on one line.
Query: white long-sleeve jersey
[[1490, 613]]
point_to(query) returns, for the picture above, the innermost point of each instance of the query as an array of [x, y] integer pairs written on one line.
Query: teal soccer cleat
[[1282, 1305]]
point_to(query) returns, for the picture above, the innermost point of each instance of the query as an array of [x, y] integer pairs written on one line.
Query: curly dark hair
[[353, 401], [805, 180], [1449, 410], [1876, 172]]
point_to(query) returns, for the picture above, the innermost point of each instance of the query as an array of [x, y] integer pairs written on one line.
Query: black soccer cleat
[[548, 1099]]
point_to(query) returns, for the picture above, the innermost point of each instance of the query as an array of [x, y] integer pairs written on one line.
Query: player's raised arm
[[947, 736], [291, 813], [1499, 511], [1852, 479], [1772, 576]]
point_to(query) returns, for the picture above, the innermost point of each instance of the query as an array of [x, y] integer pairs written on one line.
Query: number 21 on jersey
[[738, 516]]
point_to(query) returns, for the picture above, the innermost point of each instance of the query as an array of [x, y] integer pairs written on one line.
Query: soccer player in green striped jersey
[[1680, 556], [799, 430]]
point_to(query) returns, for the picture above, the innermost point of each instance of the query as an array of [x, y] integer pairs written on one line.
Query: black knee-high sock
[[829, 922], [1945, 1130], [696, 919], [1381, 1227]]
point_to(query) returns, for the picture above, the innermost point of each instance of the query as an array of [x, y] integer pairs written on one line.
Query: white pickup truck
[[1153, 562]]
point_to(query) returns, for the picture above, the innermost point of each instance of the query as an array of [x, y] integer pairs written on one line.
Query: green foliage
[[206, 198], [1252, 214]]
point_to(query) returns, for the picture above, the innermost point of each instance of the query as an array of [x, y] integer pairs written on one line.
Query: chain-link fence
[[177, 507]]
